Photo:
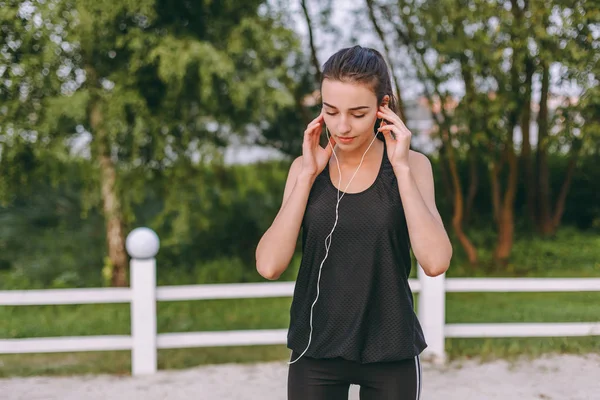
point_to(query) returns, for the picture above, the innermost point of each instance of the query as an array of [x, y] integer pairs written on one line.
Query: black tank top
[[365, 310]]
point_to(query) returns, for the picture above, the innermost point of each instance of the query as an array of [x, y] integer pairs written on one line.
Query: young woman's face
[[350, 112]]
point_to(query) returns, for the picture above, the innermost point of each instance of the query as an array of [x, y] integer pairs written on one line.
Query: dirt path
[[564, 377]]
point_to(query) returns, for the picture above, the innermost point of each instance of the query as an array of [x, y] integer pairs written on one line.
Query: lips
[[345, 140]]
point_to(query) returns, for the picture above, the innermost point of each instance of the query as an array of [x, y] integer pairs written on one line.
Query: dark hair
[[361, 65]]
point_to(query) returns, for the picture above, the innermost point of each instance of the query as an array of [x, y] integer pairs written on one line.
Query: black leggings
[[330, 379]]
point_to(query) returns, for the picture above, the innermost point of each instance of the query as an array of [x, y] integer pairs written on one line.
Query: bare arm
[[276, 248], [428, 237]]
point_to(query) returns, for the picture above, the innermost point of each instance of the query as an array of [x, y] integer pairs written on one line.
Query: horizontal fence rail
[[522, 285], [143, 294], [64, 296], [279, 289], [65, 344], [508, 329]]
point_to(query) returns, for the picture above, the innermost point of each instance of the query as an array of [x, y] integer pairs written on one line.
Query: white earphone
[[328, 243]]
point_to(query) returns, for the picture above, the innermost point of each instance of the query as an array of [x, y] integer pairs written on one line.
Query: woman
[[352, 318]]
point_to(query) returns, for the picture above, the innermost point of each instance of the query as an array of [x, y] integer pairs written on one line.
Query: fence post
[[432, 314], [142, 245]]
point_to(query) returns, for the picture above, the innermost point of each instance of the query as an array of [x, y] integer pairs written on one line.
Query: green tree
[[497, 51], [414, 29], [566, 35], [153, 89]]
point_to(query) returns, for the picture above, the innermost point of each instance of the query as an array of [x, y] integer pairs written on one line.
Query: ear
[[386, 100]]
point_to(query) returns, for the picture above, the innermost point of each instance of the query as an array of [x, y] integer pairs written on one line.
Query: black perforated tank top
[[365, 309]]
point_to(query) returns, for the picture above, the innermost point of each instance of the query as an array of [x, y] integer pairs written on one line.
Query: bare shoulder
[[419, 162]]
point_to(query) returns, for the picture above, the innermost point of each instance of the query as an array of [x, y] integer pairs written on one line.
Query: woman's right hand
[[314, 156]]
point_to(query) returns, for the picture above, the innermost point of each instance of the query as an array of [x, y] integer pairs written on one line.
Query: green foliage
[[159, 86], [46, 242], [211, 237], [480, 63], [570, 253], [582, 208], [226, 220]]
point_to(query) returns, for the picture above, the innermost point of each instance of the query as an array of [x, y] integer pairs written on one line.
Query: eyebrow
[[351, 109]]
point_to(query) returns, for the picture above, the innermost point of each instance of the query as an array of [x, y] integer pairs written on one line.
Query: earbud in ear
[[385, 101]]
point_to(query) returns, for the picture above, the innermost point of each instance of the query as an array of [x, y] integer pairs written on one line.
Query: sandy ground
[[564, 377]]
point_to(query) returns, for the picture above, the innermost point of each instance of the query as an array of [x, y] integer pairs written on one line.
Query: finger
[[398, 133], [401, 129], [389, 139], [318, 119], [330, 145], [388, 114], [388, 117], [388, 129], [387, 134], [317, 130], [312, 128], [309, 136], [393, 116], [312, 135]]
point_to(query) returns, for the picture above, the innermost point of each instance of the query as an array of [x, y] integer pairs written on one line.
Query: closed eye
[[355, 116]]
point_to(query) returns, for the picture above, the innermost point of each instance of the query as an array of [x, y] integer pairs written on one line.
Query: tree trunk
[[495, 188], [111, 205], [506, 217], [457, 217], [470, 94], [559, 208], [506, 229], [543, 184], [506, 211], [473, 184], [444, 168], [526, 159], [311, 41]]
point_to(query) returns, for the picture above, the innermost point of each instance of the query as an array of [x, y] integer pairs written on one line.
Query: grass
[[113, 319], [520, 308], [570, 254], [191, 316]]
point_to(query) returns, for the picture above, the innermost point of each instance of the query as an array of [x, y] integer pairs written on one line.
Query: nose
[[343, 126]]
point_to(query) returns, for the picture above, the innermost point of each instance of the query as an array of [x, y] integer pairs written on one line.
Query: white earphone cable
[[328, 244]]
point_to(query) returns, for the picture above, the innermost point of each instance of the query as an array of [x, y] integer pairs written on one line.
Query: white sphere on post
[[142, 244]]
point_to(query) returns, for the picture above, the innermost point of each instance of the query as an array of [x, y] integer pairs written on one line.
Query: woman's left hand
[[397, 149]]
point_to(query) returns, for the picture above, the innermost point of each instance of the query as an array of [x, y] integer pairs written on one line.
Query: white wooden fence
[[142, 246]]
